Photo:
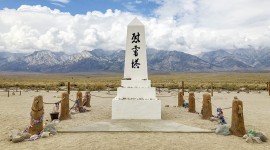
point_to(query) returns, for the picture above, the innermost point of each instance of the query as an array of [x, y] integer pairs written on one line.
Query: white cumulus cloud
[[190, 26], [35, 28]]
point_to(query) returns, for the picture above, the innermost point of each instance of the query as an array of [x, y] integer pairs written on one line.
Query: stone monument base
[[136, 109]]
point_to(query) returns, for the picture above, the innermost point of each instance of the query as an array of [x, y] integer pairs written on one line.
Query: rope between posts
[[114, 97], [197, 100], [55, 102], [163, 96], [101, 96], [72, 100], [213, 104], [74, 105], [215, 107], [226, 108], [219, 107]]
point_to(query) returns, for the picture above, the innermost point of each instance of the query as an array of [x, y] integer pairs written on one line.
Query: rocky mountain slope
[[99, 60]]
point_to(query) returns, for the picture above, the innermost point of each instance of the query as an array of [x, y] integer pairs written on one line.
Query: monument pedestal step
[[136, 93], [136, 83], [136, 109]]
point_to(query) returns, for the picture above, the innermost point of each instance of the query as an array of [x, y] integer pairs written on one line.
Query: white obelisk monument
[[136, 99]]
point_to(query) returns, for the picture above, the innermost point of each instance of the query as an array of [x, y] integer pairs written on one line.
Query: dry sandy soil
[[14, 114]]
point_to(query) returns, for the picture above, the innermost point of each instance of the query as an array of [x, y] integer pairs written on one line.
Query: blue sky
[[191, 26], [144, 7]]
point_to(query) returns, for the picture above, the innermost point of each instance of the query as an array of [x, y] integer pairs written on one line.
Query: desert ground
[[102, 81], [14, 114]]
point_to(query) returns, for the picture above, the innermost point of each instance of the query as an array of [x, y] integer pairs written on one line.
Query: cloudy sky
[[191, 26]]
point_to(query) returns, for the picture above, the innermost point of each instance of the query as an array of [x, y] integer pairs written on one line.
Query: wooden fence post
[[79, 98], [8, 93], [64, 114], [88, 98], [237, 123], [212, 92], [183, 88], [20, 92], [206, 107], [191, 102], [37, 115], [180, 99], [68, 87], [269, 88]]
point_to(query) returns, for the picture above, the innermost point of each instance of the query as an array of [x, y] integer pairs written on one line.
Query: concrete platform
[[136, 109], [135, 126]]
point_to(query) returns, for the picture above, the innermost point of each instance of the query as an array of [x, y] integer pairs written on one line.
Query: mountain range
[[160, 61]]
